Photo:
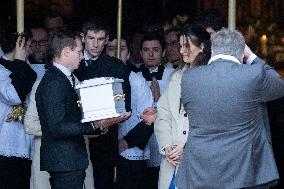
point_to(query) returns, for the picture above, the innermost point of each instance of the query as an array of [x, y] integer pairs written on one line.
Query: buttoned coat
[[171, 125]]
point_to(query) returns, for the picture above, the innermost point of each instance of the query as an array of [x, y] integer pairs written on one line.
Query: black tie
[[73, 80]]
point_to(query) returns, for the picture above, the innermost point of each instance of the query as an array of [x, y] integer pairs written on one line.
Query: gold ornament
[[17, 114]]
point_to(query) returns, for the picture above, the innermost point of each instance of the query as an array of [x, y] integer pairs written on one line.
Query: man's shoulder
[[52, 75], [195, 72], [113, 64], [169, 70], [110, 60], [52, 72]]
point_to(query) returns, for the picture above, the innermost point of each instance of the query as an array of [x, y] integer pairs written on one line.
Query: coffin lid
[[98, 81]]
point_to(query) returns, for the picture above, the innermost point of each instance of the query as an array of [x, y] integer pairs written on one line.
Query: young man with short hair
[[63, 149], [152, 50], [103, 149]]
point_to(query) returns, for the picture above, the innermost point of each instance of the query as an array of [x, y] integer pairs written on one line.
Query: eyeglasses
[[174, 43], [40, 43]]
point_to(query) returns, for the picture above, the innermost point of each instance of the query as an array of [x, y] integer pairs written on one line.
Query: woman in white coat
[[171, 126]]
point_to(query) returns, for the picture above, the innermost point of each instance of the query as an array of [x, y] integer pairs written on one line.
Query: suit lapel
[[60, 74]]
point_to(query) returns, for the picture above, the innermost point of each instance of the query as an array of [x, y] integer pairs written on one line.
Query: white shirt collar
[[225, 57], [4, 57], [1, 52], [86, 57], [62, 68]]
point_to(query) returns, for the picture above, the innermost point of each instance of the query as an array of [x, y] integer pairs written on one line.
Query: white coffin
[[101, 98]]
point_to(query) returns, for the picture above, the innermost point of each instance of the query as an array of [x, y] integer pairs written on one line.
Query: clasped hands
[[173, 153]]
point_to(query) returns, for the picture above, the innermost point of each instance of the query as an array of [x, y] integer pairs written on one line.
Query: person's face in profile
[[188, 50]]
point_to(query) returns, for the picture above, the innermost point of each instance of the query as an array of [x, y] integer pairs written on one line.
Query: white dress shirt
[[66, 72], [155, 156], [141, 98]]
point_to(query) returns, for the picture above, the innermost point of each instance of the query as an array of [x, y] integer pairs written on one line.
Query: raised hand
[[247, 53], [22, 48]]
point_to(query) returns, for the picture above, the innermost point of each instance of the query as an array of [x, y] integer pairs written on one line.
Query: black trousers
[[15, 173], [132, 174], [153, 177], [67, 179], [103, 177]]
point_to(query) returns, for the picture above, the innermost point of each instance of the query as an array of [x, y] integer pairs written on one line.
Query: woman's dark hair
[[198, 36]]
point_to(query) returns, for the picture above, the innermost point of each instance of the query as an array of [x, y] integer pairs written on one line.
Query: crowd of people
[[196, 101]]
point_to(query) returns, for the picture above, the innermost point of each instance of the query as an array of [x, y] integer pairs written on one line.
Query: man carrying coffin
[[103, 149], [63, 150]]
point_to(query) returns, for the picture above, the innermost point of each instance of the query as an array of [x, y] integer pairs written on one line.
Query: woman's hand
[[174, 153]]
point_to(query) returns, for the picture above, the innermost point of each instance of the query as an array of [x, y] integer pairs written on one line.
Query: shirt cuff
[[163, 149], [251, 58]]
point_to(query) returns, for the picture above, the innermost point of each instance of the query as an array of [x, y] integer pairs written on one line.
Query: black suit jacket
[[63, 147]]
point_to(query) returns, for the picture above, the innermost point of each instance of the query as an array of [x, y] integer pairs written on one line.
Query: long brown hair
[[198, 35]]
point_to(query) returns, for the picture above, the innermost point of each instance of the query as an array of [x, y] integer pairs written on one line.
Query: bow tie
[[148, 76]]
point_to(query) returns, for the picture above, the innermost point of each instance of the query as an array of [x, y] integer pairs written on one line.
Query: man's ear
[[242, 59], [66, 51], [107, 38], [82, 37], [164, 53], [201, 47], [128, 56]]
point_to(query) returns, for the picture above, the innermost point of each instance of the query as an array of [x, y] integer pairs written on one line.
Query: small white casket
[[101, 98]]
